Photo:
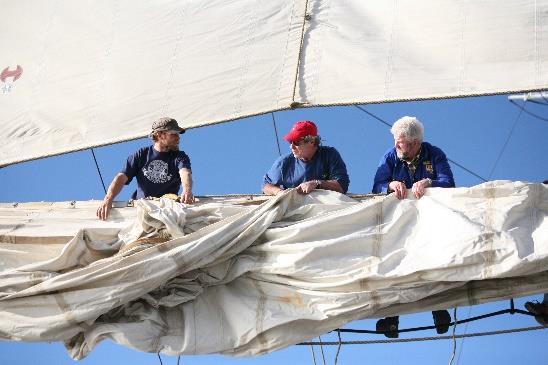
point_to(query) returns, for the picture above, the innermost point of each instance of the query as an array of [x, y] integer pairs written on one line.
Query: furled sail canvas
[[240, 279]]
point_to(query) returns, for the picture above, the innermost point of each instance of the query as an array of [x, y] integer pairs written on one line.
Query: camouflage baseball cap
[[166, 124]]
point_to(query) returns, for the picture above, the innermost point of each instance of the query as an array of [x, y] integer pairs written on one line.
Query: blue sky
[[487, 135]]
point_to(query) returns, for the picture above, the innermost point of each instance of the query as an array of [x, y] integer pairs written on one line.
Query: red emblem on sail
[[7, 73]]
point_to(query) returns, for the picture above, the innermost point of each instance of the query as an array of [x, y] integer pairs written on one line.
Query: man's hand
[[307, 187], [187, 197], [419, 188], [399, 188], [104, 209], [115, 186]]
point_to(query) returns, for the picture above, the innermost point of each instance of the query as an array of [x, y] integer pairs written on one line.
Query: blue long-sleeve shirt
[[432, 164], [289, 172]]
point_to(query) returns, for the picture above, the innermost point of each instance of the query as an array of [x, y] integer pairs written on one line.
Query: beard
[[402, 155], [170, 147]]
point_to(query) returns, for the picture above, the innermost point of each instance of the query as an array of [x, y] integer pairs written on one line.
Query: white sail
[[247, 279], [75, 74]]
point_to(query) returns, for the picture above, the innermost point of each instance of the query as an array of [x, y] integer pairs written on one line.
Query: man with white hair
[[416, 165], [411, 163], [159, 169]]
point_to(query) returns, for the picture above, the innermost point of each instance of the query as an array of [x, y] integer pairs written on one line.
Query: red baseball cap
[[301, 129]]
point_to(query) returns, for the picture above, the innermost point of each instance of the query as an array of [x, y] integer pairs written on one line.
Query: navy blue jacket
[[432, 164]]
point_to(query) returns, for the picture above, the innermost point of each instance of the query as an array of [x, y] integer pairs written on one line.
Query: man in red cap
[[159, 169], [309, 166]]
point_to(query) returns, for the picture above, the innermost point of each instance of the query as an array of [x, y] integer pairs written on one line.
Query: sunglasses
[[298, 143]]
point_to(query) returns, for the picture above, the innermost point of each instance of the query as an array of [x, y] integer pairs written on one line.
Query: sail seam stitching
[[300, 52]]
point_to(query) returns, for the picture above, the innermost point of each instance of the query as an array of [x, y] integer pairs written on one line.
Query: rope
[[462, 341], [338, 347], [313, 354], [161, 363], [373, 115], [527, 111], [452, 161], [305, 17], [414, 329], [276, 134], [454, 339], [467, 170], [419, 339], [98, 170], [539, 102], [507, 139], [253, 195], [321, 349]]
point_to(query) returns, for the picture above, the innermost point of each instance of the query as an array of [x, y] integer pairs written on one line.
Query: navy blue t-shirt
[[157, 173]]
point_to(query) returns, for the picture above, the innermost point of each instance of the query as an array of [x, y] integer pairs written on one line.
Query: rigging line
[[313, 354], [527, 111], [178, 358], [98, 170], [419, 339], [454, 339], [507, 139], [467, 170], [472, 319], [159, 358], [373, 115], [321, 349], [338, 347], [452, 161], [305, 18], [462, 340], [538, 102], [276, 133]]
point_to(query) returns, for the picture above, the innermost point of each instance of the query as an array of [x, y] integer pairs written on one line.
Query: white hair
[[409, 128]]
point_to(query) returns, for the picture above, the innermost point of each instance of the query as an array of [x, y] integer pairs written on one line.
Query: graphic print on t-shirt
[[156, 171]]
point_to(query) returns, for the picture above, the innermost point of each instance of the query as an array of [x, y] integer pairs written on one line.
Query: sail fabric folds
[[248, 279], [378, 51], [78, 74], [100, 72]]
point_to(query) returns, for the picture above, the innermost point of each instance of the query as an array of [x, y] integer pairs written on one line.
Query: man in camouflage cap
[[159, 169]]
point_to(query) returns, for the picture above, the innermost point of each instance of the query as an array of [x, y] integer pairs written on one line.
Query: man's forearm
[[270, 189], [115, 187], [186, 179], [331, 185]]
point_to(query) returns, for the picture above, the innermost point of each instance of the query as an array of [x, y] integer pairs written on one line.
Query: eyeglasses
[[298, 143]]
